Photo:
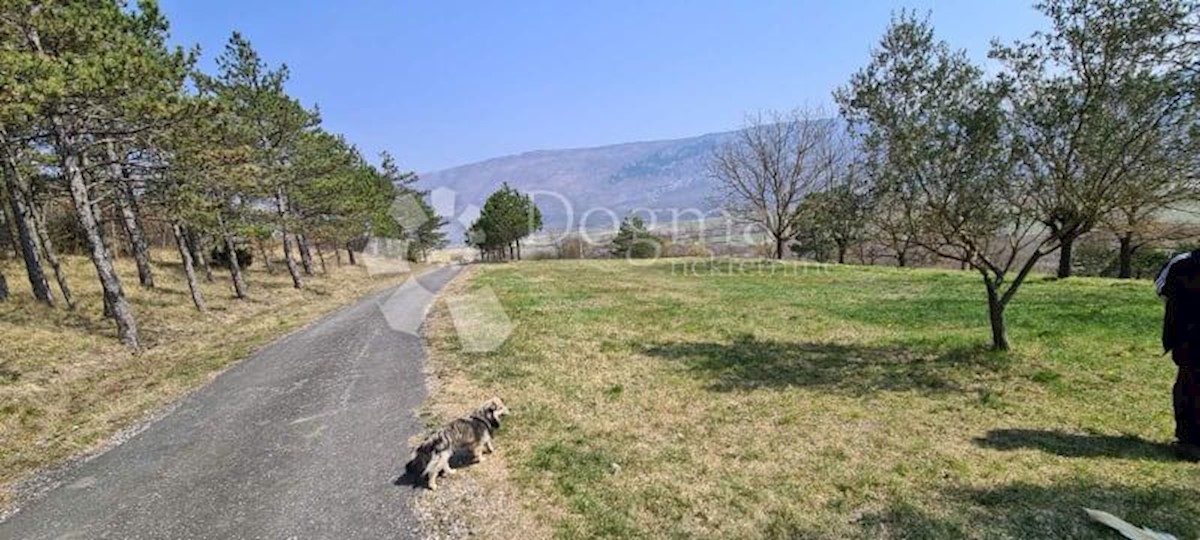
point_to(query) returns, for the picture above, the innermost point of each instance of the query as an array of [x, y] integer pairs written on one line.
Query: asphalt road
[[303, 440]]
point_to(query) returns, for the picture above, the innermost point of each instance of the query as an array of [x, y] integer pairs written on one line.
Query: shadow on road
[[410, 480]]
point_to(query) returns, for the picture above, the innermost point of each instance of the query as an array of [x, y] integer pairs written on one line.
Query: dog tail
[[416, 464], [423, 456], [420, 458]]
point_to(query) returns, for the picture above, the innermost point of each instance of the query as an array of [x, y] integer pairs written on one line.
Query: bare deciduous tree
[[887, 224], [772, 165], [1164, 178]]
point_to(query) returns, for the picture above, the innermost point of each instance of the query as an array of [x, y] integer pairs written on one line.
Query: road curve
[[303, 440]]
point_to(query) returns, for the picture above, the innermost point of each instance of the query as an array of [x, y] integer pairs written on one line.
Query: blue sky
[[446, 82]]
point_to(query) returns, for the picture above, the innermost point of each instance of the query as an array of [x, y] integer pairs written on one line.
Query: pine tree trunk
[[350, 254], [1065, 252], [126, 202], [18, 203], [98, 211], [262, 252], [132, 221], [1125, 256], [235, 267], [281, 202], [11, 224], [321, 257], [108, 308], [70, 157], [3, 287], [306, 261], [114, 296], [39, 222], [518, 250], [195, 245], [337, 255], [996, 317], [290, 262], [189, 267]]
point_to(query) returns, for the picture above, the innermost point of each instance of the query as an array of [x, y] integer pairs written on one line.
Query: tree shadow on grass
[[1056, 511], [173, 265], [1077, 445], [1022, 510], [277, 285], [747, 363]]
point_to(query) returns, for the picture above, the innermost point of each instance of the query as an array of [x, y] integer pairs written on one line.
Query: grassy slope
[[66, 384], [850, 402]]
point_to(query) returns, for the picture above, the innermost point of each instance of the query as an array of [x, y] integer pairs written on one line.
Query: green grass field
[[808, 402]]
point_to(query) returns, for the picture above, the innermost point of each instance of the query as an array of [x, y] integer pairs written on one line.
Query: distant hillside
[[621, 177]]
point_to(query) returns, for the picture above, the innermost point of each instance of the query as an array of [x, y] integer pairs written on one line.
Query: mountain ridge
[[608, 180]]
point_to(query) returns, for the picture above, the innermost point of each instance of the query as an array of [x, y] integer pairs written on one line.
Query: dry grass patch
[[480, 501], [67, 384], [810, 402]]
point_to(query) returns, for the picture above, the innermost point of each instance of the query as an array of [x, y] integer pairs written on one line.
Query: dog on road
[[473, 432]]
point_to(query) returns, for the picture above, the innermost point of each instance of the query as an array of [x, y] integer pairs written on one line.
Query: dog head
[[493, 410]]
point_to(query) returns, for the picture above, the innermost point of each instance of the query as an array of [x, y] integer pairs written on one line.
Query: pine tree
[[507, 217], [17, 189], [52, 259], [130, 214], [271, 121], [85, 70], [429, 235], [97, 110], [635, 241]]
